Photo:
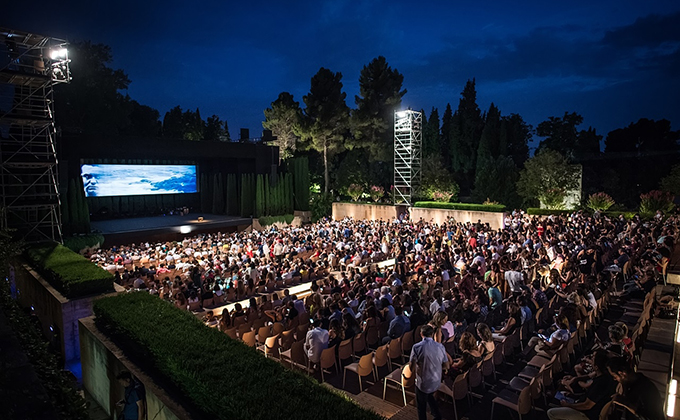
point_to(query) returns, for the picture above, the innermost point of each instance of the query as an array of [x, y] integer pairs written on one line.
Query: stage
[[166, 228]]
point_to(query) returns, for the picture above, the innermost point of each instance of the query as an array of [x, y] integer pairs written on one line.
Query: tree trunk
[[325, 168]]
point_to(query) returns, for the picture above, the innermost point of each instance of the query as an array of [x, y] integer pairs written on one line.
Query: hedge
[[219, 376], [80, 242], [496, 208], [65, 399], [70, 273], [270, 220]]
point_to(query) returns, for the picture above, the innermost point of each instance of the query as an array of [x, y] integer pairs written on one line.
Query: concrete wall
[[102, 361], [367, 211], [53, 309], [439, 216]]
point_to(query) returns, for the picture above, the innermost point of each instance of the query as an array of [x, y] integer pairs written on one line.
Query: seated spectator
[[547, 346], [399, 325], [316, 341], [511, 324], [598, 391], [470, 354], [486, 344], [640, 395]]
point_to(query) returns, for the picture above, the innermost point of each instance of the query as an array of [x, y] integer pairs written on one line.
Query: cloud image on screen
[[112, 180]]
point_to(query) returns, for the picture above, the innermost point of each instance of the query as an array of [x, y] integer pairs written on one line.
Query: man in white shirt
[[316, 341], [514, 278]]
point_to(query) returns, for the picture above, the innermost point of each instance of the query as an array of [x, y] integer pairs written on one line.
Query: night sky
[[612, 61]]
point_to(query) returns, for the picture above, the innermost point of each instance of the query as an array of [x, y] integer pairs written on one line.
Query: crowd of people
[[464, 286]]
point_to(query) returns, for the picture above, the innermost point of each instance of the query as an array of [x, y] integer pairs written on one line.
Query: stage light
[[56, 54], [401, 114], [185, 229]]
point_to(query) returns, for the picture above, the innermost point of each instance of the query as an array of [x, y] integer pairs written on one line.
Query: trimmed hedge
[[495, 208], [218, 375], [79, 243], [70, 273], [67, 403]]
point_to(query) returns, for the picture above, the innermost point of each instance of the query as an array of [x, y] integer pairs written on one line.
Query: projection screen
[[118, 180]]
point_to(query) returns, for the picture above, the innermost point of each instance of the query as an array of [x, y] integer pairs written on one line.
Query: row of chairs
[[537, 378]]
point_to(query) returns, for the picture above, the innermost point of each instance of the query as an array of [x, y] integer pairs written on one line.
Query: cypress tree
[[259, 196], [267, 197]]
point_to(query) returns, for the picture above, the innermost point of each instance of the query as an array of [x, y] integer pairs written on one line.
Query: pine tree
[[447, 147], [325, 122], [282, 119], [431, 134], [489, 143], [466, 131]]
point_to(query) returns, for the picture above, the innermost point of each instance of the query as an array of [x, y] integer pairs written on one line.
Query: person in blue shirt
[[428, 360], [132, 403]]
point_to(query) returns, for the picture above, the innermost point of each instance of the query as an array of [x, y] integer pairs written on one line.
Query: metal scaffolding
[[30, 66], [408, 135]]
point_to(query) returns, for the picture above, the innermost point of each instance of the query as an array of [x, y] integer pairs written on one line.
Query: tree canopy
[[283, 119], [545, 176]]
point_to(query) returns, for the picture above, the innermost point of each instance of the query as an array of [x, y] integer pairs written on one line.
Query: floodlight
[[184, 229], [401, 114], [58, 54]]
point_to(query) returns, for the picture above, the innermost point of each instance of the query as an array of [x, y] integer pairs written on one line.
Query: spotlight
[[401, 114], [185, 229], [58, 54]]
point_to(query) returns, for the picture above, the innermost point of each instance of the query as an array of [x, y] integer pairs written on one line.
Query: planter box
[[360, 211], [439, 216], [58, 315], [102, 361]]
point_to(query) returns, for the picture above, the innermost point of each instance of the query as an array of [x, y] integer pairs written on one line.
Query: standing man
[[428, 360], [132, 403], [514, 278], [316, 341]]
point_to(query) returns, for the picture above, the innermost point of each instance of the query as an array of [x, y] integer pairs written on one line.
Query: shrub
[[270, 220], [599, 202], [553, 198], [355, 191], [496, 208], [441, 196], [628, 215], [534, 211], [70, 273], [377, 193], [321, 206], [81, 242], [220, 376], [656, 200]]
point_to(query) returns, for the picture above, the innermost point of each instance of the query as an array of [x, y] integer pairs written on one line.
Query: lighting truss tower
[[30, 66], [408, 146]]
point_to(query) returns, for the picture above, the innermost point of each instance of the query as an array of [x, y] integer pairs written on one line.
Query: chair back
[[605, 412], [286, 340], [487, 364], [327, 358], [258, 323], [231, 332], [263, 333], [208, 302], [277, 328], [394, 348], [460, 386], [271, 345], [365, 366], [297, 353], [359, 344], [498, 354], [408, 379], [407, 342], [249, 338], [345, 349], [524, 400], [372, 336], [380, 356], [243, 328], [475, 377], [301, 332], [416, 334]]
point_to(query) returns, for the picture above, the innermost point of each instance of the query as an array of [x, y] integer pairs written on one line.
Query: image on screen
[[112, 180]]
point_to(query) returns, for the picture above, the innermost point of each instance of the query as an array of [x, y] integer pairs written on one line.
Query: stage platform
[[166, 228]]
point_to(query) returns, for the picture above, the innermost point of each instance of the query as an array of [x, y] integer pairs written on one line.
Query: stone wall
[[439, 216], [102, 361], [367, 211], [53, 309]]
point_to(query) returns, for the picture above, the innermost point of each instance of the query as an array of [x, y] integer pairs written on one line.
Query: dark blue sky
[[612, 61]]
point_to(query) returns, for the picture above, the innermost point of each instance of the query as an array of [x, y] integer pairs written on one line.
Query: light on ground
[[185, 229]]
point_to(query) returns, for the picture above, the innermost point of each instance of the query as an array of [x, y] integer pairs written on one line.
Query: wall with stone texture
[[439, 216], [102, 361]]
